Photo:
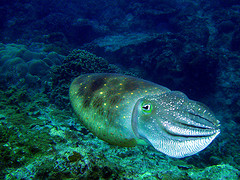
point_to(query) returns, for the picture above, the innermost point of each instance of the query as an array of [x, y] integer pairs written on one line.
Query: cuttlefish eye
[[147, 108], [174, 124]]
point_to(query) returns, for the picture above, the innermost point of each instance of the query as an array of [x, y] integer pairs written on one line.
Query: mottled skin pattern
[[105, 102], [126, 111]]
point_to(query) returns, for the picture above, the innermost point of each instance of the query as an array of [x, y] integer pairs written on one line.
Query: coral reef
[[116, 42], [65, 149], [76, 63], [20, 64]]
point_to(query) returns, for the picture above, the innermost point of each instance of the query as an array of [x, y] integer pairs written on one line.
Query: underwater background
[[191, 46]]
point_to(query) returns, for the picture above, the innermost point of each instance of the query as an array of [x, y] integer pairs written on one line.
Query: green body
[[105, 102], [126, 111]]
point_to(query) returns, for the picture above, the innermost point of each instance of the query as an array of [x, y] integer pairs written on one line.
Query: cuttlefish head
[[174, 124]]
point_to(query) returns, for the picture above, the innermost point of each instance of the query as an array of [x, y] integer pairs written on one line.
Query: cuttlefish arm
[[174, 124], [127, 111]]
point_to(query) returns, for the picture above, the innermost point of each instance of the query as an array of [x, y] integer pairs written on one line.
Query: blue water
[[185, 45]]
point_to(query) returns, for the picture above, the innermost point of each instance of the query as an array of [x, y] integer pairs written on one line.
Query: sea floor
[[42, 141]]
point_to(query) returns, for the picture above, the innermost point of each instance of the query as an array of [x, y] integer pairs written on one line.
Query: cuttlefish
[[128, 111]]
